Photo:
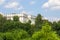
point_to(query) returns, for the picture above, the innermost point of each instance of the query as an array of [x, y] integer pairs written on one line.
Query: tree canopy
[[41, 30]]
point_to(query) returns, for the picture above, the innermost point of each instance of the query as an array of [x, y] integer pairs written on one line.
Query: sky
[[50, 9]]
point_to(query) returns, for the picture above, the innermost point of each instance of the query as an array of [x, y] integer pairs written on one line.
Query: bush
[[45, 34]]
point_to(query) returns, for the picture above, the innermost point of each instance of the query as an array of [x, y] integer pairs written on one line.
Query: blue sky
[[50, 9]]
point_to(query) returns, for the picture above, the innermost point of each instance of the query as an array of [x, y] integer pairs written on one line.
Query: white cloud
[[19, 8], [53, 19], [53, 4], [14, 5], [27, 12], [45, 5], [32, 2], [1, 13], [24, 11], [2, 1]]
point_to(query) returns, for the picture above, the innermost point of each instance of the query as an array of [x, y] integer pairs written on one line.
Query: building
[[23, 17]]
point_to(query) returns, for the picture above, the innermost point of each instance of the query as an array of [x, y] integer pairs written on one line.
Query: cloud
[[1, 13], [27, 12], [14, 5], [11, 5], [53, 19], [1, 1], [52, 4], [19, 8], [32, 2]]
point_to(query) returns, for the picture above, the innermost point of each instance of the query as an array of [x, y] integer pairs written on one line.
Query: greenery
[[41, 30]]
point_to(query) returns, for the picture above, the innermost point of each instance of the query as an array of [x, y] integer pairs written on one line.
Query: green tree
[[29, 22], [16, 35], [38, 22], [56, 27], [10, 25], [8, 36], [15, 18], [38, 19], [1, 36], [2, 21], [46, 33]]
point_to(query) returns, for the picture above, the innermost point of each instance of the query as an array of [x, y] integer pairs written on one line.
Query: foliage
[[2, 21], [15, 18], [1, 36], [38, 22], [45, 34], [41, 30], [14, 35], [56, 27]]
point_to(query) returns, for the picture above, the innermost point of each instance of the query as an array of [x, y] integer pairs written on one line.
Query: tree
[[46, 33], [29, 22], [16, 35], [1, 36], [15, 18], [44, 21], [8, 36], [10, 25], [2, 21], [38, 21], [56, 27]]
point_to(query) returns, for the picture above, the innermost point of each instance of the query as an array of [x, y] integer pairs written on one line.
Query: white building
[[23, 17]]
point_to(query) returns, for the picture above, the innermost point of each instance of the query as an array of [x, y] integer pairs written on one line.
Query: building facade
[[23, 17]]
